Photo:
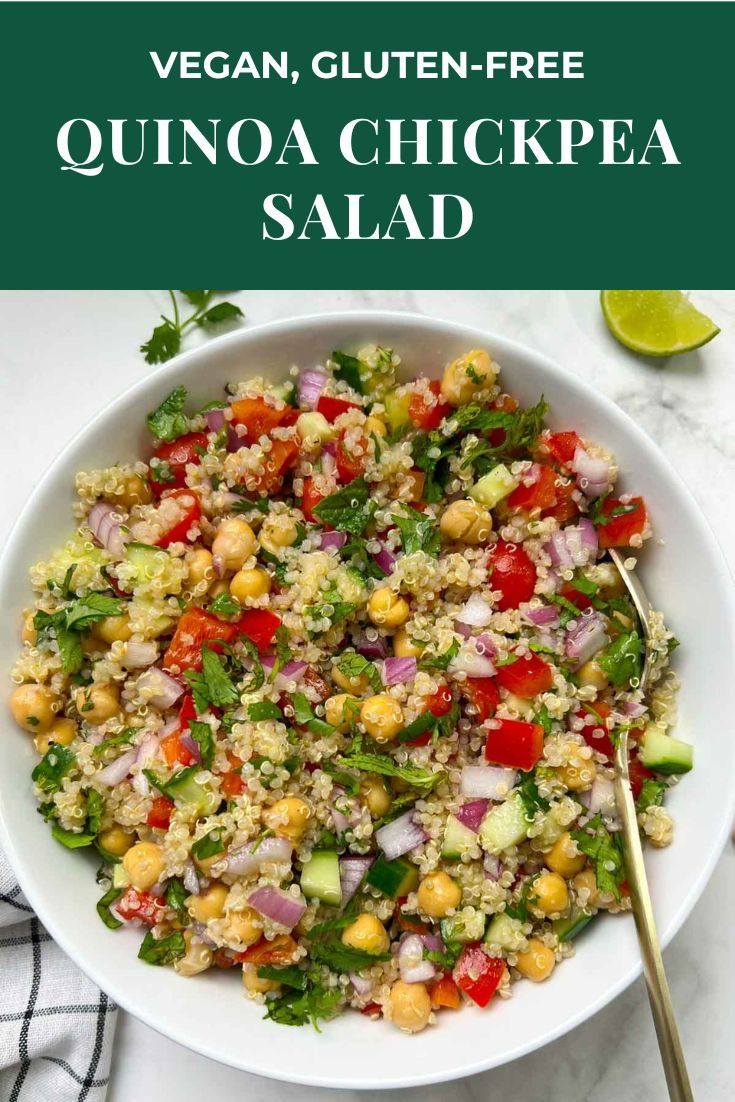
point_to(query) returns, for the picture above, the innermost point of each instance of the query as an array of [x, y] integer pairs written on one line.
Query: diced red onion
[[168, 728], [396, 671], [329, 465], [190, 878], [249, 858], [472, 661], [234, 440], [400, 836], [602, 797], [193, 747], [632, 708], [215, 419], [139, 655], [329, 448], [278, 906], [200, 929], [309, 387], [575, 545], [476, 612], [106, 529], [462, 629], [586, 638], [117, 770], [167, 689], [352, 870], [292, 671], [385, 559], [370, 648], [432, 942], [147, 749], [361, 985], [412, 965], [489, 782], [592, 474], [492, 866], [544, 616], [472, 813], [332, 541], [486, 646]]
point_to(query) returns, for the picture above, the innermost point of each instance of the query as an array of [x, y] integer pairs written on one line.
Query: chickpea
[[579, 772], [340, 710], [466, 375], [438, 894], [278, 530], [404, 647], [250, 584], [538, 961], [410, 1006], [208, 904], [551, 894], [200, 566], [387, 609], [376, 425], [564, 858], [33, 708], [367, 933], [198, 956], [243, 927], [113, 629], [585, 889], [144, 865], [358, 684], [97, 702], [116, 840], [234, 543], [62, 731], [288, 817], [592, 673], [376, 795], [382, 717], [28, 632], [135, 491], [254, 984], [467, 521]]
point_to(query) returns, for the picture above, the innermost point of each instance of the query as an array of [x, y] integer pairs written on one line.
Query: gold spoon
[[659, 996]]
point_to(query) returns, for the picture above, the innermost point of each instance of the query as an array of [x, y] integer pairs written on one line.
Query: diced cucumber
[[320, 877], [573, 924], [467, 926], [664, 753], [396, 409], [457, 839], [504, 825], [144, 559], [493, 487], [393, 878], [506, 933], [315, 425], [120, 877], [550, 832], [192, 796], [350, 584]]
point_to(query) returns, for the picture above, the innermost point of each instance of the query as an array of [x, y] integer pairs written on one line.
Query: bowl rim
[[375, 318]]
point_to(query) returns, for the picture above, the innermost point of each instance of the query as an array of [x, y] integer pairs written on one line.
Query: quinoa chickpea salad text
[[332, 681]]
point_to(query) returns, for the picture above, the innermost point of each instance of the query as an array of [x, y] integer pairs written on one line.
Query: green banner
[[367, 144]]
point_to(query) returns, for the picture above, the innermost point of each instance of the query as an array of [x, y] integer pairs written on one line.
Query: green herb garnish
[[165, 341]]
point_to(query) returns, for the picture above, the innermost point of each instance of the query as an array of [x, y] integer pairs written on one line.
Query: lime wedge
[[656, 323]]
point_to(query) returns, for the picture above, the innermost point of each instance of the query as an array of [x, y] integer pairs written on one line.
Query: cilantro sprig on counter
[[165, 340]]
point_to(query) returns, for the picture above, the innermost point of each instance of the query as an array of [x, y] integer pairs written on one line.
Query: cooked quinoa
[[332, 681]]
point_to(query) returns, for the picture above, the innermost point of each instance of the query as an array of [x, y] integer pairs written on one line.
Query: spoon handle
[[659, 996]]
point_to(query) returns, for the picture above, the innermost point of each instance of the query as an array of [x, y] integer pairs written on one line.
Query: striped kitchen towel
[[56, 1027]]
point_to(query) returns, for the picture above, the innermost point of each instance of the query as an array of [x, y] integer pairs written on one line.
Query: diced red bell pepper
[[332, 408], [195, 628], [409, 924], [280, 950], [477, 974], [620, 528], [349, 465], [513, 574], [191, 512], [149, 909], [638, 773], [575, 597], [424, 415], [187, 712], [566, 507], [439, 704], [277, 463], [444, 993], [563, 445], [260, 626], [175, 750], [483, 695], [310, 498], [507, 404], [372, 1010], [260, 418], [596, 734], [526, 677], [232, 785], [515, 743], [540, 495], [177, 454], [159, 816]]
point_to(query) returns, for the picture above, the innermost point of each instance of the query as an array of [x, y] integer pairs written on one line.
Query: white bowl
[[685, 575]]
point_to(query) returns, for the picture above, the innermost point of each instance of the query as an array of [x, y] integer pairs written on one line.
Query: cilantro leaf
[[419, 531], [296, 1007], [208, 845], [95, 807], [343, 958], [213, 686], [163, 950], [204, 738], [349, 509], [264, 709], [224, 605], [103, 908], [290, 975], [423, 779], [529, 793], [91, 609], [605, 850], [168, 421], [622, 659], [304, 716], [163, 344], [216, 315], [652, 794], [440, 661], [348, 369], [52, 768]]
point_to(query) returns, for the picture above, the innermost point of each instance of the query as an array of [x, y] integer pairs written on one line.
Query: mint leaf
[[103, 908], [419, 531], [349, 509], [203, 737], [387, 767], [163, 950]]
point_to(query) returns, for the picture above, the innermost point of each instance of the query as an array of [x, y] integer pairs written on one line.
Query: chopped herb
[[544, 719], [103, 908], [224, 605], [568, 611], [506, 659], [264, 709], [280, 568], [652, 794], [70, 838], [423, 723], [348, 510], [348, 369], [343, 958], [350, 783], [304, 716], [204, 738], [446, 958], [257, 673], [290, 975], [170, 787], [168, 421], [176, 895], [605, 850], [209, 845], [440, 661], [331, 609], [419, 531], [423, 779], [529, 793], [165, 341], [95, 807], [122, 739], [622, 659], [296, 1007], [284, 654], [213, 686], [355, 665], [52, 768], [163, 950]]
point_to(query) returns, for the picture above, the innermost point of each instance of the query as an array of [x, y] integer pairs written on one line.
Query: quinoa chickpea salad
[[331, 682]]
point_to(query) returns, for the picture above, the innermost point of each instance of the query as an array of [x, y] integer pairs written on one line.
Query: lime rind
[[656, 323]]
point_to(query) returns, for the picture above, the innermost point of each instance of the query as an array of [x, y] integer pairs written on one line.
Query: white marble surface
[[64, 353]]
